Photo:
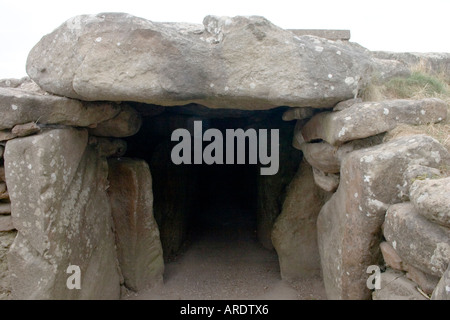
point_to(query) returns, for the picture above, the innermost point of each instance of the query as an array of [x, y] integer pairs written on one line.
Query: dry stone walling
[[69, 197]]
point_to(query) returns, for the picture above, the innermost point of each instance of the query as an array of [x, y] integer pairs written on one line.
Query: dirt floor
[[228, 263]]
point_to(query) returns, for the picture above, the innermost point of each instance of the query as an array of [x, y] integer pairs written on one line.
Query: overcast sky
[[391, 25]]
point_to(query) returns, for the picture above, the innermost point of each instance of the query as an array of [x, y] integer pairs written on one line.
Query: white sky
[[391, 25]]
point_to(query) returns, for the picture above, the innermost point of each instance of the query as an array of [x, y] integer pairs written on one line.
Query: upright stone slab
[[294, 234], [57, 185], [349, 224], [137, 235]]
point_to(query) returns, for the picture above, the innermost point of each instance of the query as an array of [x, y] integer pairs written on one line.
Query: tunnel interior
[[218, 202]]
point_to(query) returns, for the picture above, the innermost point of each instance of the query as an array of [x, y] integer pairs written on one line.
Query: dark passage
[[218, 202], [226, 203], [215, 220]]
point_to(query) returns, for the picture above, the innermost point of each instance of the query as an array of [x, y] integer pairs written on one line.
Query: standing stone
[[137, 235], [294, 234], [271, 189], [63, 217], [349, 224]]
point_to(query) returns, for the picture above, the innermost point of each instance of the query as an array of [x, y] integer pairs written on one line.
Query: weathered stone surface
[[327, 181], [6, 135], [6, 239], [395, 286], [5, 208], [294, 234], [63, 217], [371, 118], [137, 235], [391, 257], [125, 124], [6, 223], [271, 189], [298, 113], [328, 158], [349, 224], [416, 172], [442, 290], [20, 106], [27, 129], [12, 82], [431, 198], [346, 104], [434, 62], [322, 156], [419, 242], [240, 62], [108, 147], [323, 33], [425, 281], [20, 130]]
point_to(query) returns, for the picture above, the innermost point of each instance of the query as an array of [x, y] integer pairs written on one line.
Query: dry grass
[[419, 85]]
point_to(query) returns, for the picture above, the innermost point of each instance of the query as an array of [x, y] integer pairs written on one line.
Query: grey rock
[[328, 158], [416, 172], [419, 242], [326, 181], [367, 119], [346, 104], [391, 257], [20, 106], [294, 234], [63, 218], [125, 124], [27, 129], [298, 113], [431, 198], [109, 147], [137, 236], [425, 281], [6, 239], [349, 224], [442, 290], [6, 223], [433, 62], [395, 286], [240, 62]]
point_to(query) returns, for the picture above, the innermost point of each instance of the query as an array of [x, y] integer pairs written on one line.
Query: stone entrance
[[87, 181]]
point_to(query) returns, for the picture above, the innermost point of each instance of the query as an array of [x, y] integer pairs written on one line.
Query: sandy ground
[[226, 264]]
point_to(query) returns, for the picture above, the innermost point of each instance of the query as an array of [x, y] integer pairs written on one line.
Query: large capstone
[[240, 62]]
